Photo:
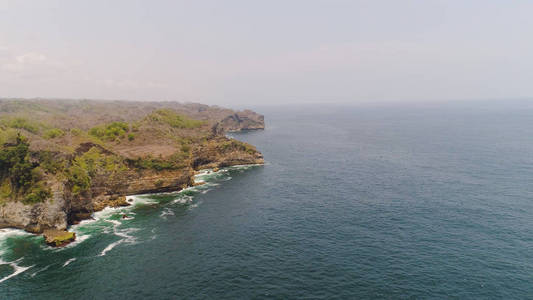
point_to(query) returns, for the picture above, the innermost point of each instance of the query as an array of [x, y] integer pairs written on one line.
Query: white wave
[[115, 222], [183, 200], [84, 223], [126, 238], [243, 167], [166, 212], [109, 211], [203, 175], [110, 246], [106, 212], [41, 270], [79, 239], [68, 262], [6, 233], [104, 216], [17, 269], [203, 172], [140, 199], [125, 234]]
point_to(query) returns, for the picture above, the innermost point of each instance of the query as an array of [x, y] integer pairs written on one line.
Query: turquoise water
[[354, 202]]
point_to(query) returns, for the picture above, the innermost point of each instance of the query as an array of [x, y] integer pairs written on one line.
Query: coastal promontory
[[62, 160]]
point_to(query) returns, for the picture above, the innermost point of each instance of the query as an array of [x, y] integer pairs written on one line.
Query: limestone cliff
[[244, 120], [55, 175]]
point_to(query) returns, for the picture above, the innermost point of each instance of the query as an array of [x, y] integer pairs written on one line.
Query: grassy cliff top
[[43, 142], [130, 128]]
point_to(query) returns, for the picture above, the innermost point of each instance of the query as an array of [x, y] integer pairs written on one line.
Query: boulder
[[58, 238]]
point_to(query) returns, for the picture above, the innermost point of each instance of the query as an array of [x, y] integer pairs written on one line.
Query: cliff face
[[105, 192], [244, 120], [156, 153], [222, 152], [53, 213]]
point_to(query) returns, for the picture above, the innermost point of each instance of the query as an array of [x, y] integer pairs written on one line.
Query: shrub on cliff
[[22, 123], [110, 132], [169, 117], [24, 177], [93, 162], [176, 161], [49, 162], [38, 193], [8, 135], [14, 163], [78, 179], [53, 133], [233, 144]]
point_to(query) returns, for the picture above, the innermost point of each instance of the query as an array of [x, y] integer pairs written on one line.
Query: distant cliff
[[244, 120], [62, 160]]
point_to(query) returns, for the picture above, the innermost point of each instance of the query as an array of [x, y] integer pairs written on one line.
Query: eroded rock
[[58, 238]]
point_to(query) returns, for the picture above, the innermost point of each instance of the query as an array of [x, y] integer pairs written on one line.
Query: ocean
[[391, 201]]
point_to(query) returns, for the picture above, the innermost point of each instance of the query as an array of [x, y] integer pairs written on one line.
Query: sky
[[267, 52]]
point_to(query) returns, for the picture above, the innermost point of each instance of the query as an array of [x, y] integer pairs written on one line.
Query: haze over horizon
[[244, 52]]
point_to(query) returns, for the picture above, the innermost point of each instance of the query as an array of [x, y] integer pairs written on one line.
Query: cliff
[[62, 160]]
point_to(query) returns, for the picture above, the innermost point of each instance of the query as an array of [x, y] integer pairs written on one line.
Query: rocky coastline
[[67, 204]]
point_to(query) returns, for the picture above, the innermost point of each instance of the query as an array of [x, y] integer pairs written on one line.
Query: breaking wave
[[109, 221]]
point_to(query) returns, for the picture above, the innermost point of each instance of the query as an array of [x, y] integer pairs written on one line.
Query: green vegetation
[[75, 131], [38, 193], [233, 144], [5, 189], [20, 178], [53, 133], [110, 132], [11, 106], [50, 162], [22, 123], [169, 117], [88, 165], [78, 179], [153, 163], [8, 135], [185, 148], [177, 161], [96, 150], [58, 238]]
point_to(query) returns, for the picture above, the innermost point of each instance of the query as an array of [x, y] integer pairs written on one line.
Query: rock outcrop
[[36, 218], [58, 238], [243, 120]]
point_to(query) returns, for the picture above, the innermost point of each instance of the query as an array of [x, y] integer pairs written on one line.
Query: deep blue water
[[384, 202]]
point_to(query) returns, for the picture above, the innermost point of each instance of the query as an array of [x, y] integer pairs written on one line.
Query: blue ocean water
[[354, 202]]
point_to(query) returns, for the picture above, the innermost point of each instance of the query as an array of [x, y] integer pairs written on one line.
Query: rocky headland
[[62, 160]]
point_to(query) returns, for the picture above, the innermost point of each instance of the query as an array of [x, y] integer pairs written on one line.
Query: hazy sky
[[258, 52]]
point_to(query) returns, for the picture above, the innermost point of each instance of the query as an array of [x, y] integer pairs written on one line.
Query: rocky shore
[[149, 156]]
